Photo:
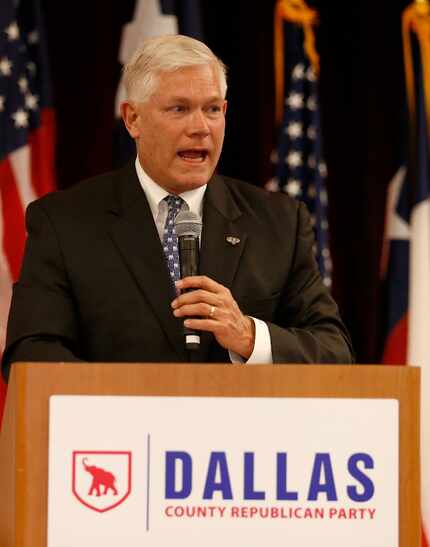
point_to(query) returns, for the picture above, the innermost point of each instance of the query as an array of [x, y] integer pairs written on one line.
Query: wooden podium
[[24, 436]]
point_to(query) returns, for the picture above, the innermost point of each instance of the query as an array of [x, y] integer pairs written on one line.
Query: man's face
[[179, 130]]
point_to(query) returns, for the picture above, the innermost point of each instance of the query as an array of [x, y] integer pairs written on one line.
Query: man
[[95, 282]]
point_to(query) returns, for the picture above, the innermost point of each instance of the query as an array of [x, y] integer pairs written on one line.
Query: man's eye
[[177, 108], [214, 109]]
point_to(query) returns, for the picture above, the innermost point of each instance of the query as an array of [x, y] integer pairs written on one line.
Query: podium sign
[[216, 471]]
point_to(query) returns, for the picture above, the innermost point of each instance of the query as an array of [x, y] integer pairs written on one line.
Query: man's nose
[[198, 123]]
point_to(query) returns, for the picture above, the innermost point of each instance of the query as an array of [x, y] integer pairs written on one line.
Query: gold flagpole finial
[[422, 6], [299, 13]]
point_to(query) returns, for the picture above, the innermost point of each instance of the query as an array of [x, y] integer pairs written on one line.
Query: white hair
[[167, 53]]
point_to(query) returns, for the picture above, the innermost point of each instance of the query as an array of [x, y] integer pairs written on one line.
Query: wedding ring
[[211, 313]]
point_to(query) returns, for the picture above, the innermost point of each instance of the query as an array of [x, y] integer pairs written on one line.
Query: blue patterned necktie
[[170, 240]]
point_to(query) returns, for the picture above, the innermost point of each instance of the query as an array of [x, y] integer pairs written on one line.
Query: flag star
[[312, 132], [295, 101], [2, 99], [12, 31], [33, 37], [293, 188], [5, 66], [299, 71], [176, 266], [294, 130], [312, 103], [21, 118], [170, 257], [175, 248], [294, 159], [23, 84], [323, 169], [310, 74], [31, 101]]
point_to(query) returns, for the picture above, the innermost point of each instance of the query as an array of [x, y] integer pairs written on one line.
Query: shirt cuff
[[262, 352]]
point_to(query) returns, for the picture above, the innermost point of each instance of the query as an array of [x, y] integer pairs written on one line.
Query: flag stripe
[[13, 219], [395, 345], [5, 285], [42, 145], [20, 164]]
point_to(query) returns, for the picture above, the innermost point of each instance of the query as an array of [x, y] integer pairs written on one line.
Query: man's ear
[[130, 116]]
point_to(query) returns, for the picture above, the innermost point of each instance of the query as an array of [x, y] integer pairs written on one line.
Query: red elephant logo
[[101, 480], [101, 477]]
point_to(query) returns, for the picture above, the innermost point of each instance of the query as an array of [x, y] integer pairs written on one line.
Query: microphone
[[188, 227]]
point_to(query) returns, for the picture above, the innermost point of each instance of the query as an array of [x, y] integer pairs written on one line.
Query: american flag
[[26, 135], [300, 168]]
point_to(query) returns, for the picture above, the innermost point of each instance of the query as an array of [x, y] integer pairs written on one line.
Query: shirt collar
[[155, 193]]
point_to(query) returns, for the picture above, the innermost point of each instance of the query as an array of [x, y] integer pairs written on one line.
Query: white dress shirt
[[193, 201]]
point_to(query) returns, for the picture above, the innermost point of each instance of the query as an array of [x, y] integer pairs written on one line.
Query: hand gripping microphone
[[188, 227]]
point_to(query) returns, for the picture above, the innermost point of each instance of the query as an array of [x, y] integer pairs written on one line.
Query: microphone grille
[[188, 223]]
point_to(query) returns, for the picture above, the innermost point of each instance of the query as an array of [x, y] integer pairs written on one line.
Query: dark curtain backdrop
[[362, 100]]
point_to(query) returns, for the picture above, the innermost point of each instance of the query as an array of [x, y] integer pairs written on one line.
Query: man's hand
[[219, 314]]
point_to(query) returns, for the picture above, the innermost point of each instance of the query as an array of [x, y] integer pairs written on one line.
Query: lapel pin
[[232, 240]]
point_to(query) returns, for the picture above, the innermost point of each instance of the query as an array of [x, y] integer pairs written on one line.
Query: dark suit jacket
[[94, 284]]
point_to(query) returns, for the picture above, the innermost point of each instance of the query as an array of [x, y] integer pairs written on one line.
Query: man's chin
[[190, 182], [188, 185]]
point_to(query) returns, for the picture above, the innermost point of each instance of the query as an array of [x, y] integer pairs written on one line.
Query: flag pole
[[423, 6], [416, 20]]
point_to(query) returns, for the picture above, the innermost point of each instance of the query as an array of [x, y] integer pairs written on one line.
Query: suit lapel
[[222, 245], [219, 257], [135, 235]]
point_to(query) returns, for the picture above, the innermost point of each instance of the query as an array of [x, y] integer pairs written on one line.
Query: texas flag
[[151, 18], [407, 267]]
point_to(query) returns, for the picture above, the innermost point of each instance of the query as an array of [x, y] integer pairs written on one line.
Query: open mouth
[[193, 155]]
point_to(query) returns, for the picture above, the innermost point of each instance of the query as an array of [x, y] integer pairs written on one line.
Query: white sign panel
[[156, 471]]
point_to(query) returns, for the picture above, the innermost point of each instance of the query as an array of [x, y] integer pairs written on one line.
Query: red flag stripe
[[42, 145], [13, 219], [396, 344]]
